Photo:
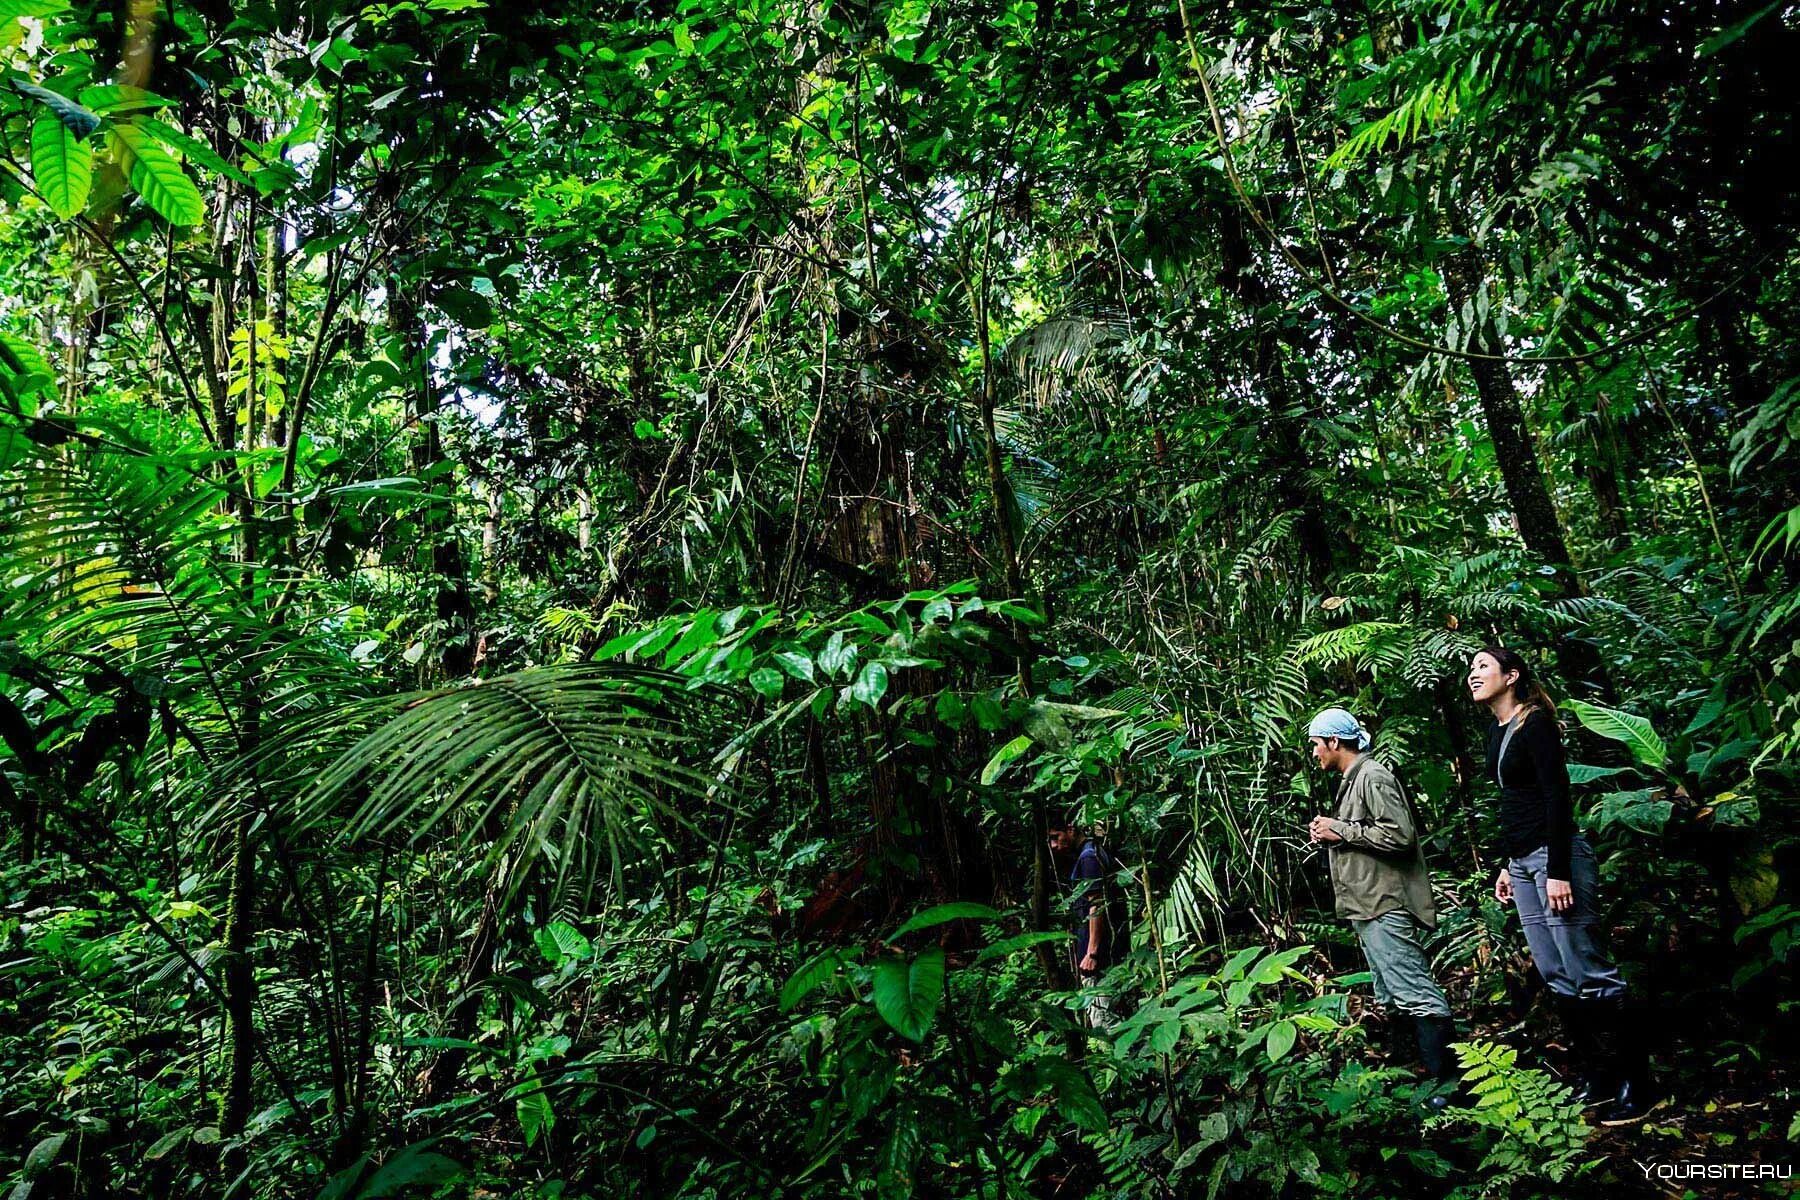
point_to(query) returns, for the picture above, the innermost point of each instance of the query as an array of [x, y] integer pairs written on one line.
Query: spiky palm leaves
[[568, 766], [128, 564]]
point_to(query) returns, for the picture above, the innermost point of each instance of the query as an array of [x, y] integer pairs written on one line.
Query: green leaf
[[24, 358], [1024, 941], [412, 1167], [961, 910], [796, 664], [109, 98], [465, 306], [1637, 810], [157, 177], [1234, 969], [816, 971], [767, 681], [907, 994], [561, 942], [167, 1142], [838, 656], [988, 713], [1276, 966], [193, 149], [12, 10], [1618, 726], [1280, 1040], [535, 1114], [1075, 1095], [42, 1155], [79, 119], [1732, 33], [871, 684], [1003, 757], [1709, 712], [62, 164], [1580, 773]]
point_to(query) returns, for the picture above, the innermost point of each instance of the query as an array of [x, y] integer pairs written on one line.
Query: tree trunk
[[1526, 490], [1295, 488], [443, 1075], [454, 607], [1056, 968], [240, 983]]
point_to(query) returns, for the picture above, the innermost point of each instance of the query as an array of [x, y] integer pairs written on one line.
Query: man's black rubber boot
[[1435, 1036]]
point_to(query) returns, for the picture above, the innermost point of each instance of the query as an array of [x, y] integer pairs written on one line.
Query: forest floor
[[1704, 1123], [1711, 1116]]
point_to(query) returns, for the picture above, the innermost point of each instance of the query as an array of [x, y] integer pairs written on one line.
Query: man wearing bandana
[[1379, 879]]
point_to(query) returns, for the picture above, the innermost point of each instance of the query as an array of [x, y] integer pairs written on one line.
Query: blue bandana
[[1338, 723]]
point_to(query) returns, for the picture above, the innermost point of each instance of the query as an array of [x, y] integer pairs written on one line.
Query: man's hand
[[1560, 894], [1091, 964], [1503, 886], [1321, 830]]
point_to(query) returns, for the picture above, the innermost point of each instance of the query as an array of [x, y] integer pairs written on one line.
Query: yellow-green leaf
[[158, 177], [1003, 757], [62, 164]]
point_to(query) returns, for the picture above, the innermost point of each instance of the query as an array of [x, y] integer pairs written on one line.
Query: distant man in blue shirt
[[1099, 937]]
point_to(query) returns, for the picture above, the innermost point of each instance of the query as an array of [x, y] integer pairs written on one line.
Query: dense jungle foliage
[[556, 562]]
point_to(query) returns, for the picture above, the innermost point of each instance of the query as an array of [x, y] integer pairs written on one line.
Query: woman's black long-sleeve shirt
[[1535, 809]]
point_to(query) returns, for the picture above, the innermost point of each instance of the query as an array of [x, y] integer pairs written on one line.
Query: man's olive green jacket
[[1380, 865]]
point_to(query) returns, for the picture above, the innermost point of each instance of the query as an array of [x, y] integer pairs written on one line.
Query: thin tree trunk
[[1053, 964], [1526, 490], [453, 607], [240, 983], [442, 1077]]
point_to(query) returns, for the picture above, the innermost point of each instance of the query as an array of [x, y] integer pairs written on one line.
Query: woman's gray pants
[[1398, 966], [1562, 944]]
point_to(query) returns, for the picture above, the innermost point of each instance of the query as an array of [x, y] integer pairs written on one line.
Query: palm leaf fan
[[544, 766]]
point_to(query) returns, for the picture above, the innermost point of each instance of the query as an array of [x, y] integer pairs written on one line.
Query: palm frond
[[565, 765]]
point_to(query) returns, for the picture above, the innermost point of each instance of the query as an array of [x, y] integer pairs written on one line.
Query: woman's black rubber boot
[[1622, 1045], [1590, 1076]]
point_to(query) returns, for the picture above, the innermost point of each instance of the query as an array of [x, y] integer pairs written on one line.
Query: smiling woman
[[1552, 879]]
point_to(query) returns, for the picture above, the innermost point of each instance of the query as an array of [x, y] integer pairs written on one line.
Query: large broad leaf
[[12, 10], [1755, 883], [78, 118], [534, 1111], [1075, 1095], [1580, 773], [193, 149], [961, 910], [907, 993], [1633, 730], [812, 974], [414, 1167], [871, 684], [561, 942], [157, 177], [1639, 810], [62, 164], [1023, 941], [110, 98], [1280, 1040]]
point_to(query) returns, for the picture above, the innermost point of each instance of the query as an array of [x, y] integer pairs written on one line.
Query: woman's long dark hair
[[1526, 688]]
